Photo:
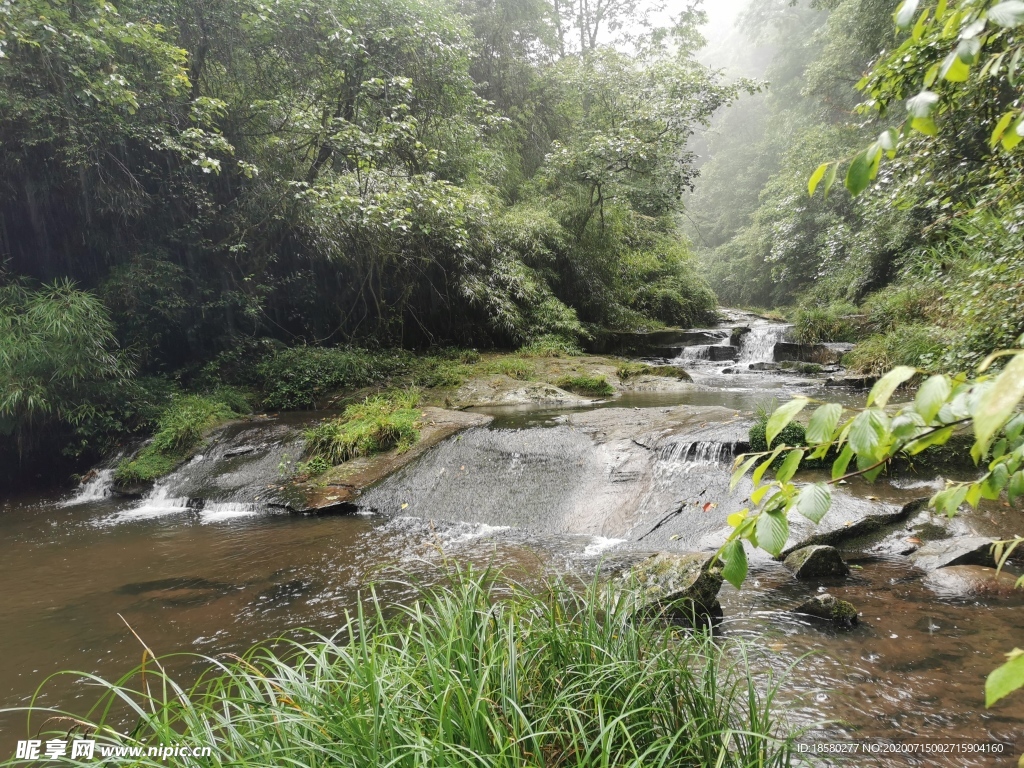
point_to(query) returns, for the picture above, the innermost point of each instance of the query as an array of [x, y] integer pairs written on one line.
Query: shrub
[[816, 325], [472, 673], [917, 345], [376, 425], [302, 377], [434, 372], [586, 385], [794, 434]]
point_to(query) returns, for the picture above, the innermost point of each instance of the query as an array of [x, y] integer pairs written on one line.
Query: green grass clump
[[474, 673], [586, 385], [627, 371], [180, 429], [373, 426], [921, 346], [513, 368], [822, 324], [551, 346]]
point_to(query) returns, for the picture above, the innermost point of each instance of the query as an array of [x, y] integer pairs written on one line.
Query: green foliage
[[792, 435], [512, 677], [915, 345], [585, 384], [180, 430], [431, 372], [550, 346], [57, 341], [304, 377], [814, 324], [378, 424]]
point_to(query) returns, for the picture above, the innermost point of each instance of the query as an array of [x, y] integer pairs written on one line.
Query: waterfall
[[96, 488], [159, 501], [699, 352], [758, 346], [685, 456]]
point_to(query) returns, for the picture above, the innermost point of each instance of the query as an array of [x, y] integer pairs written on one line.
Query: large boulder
[[823, 354], [678, 586], [829, 608], [966, 550], [817, 562]]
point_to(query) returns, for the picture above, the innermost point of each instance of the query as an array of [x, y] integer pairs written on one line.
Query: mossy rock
[[831, 609], [678, 587], [817, 562]]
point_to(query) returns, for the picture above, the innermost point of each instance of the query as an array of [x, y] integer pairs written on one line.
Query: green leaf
[[816, 177], [823, 423], [905, 13], [885, 386], [772, 531], [830, 177], [921, 26], [954, 69], [1008, 14], [1016, 487], [782, 416], [814, 501], [1004, 680], [1000, 401], [868, 431], [1012, 137], [922, 104], [840, 464], [939, 437], [925, 125], [759, 472], [735, 569], [932, 396], [789, 466], [741, 471], [858, 175]]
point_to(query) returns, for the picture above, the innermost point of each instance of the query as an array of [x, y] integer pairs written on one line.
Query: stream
[[539, 490]]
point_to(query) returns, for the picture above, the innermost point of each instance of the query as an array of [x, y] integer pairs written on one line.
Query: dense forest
[[199, 195]]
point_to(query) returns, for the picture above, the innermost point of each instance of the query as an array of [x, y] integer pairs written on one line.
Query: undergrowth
[[475, 672], [377, 424], [180, 429]]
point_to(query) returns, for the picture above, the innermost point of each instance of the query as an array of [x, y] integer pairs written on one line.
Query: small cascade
[[758, 346], [213, 511], [95, 488], [159, 501], [699, 352], [700, 453]]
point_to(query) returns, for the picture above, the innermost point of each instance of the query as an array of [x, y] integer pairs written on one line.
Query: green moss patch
[[586, 385]]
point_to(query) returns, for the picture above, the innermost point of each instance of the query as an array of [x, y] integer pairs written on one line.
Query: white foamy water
[[599, 544], [96, 488], [156, 503], [214, 511], [758, 346]]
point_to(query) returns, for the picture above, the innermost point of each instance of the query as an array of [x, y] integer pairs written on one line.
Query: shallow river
[[219, 579]]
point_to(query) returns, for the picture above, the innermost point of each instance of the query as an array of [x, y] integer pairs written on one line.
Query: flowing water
[[207, 562]]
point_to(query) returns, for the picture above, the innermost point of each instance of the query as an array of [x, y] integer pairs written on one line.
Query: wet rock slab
[[340, 486], [967, 550]]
